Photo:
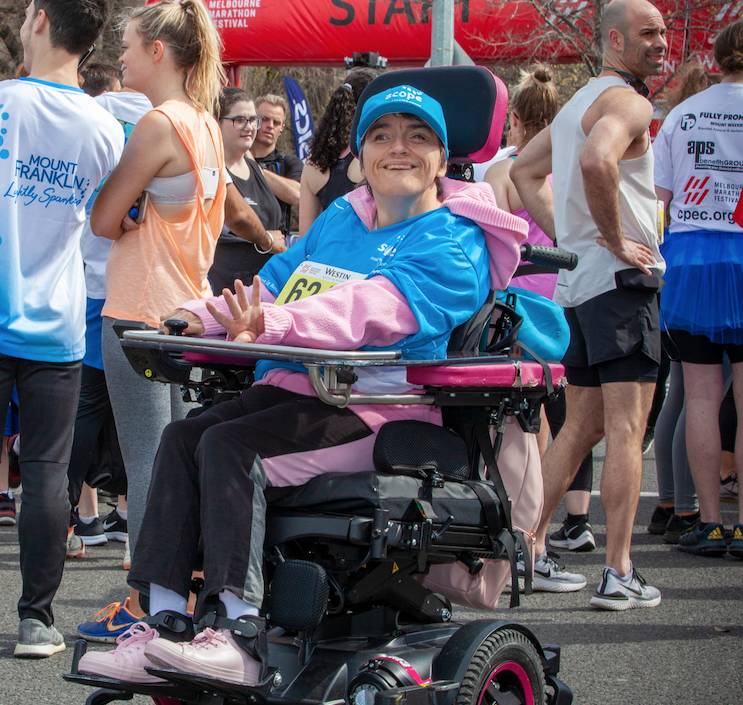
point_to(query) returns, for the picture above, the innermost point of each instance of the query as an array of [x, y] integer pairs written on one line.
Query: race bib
[[311, 278]]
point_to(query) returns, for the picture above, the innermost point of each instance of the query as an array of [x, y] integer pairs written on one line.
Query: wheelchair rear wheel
[[505, 670]]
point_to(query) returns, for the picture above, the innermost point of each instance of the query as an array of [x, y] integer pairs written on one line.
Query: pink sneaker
[[127, 661], [211, 653]]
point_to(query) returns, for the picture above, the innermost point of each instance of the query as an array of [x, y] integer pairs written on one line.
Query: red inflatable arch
[[323, 32]]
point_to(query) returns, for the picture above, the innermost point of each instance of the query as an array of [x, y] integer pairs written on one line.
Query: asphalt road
[[688, 650]]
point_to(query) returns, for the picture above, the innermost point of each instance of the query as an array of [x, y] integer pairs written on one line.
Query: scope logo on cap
[[406, 94], [403, 99]]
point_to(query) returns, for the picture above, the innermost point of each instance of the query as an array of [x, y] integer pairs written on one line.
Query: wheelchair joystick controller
[[176, 326]]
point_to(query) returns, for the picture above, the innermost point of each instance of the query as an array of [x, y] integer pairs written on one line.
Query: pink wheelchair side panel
[[515, 373], [203, 358]]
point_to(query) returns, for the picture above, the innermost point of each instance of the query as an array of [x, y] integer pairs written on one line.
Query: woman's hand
[[246, 323], [195, 326], [129, 224]]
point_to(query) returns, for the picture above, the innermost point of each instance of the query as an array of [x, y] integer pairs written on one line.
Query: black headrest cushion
[[475, 104]]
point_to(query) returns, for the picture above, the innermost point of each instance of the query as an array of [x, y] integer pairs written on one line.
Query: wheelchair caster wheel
[[505, 668]]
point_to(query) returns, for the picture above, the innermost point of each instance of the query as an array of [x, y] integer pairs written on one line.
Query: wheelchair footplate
[[239, 692], [178, 686]]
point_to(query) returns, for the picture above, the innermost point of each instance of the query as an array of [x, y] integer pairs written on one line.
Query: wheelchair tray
[[170, 359], [249, 352]]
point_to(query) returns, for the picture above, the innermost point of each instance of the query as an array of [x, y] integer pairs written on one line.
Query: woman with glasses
[[236, 258]]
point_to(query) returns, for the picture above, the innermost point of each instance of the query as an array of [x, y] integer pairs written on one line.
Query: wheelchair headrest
[[474, 101]]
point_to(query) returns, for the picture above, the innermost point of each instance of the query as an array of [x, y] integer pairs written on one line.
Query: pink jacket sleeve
[[347, 317], [211, 327]]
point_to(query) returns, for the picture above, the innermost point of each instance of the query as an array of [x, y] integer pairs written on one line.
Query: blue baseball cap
[[403, 99]]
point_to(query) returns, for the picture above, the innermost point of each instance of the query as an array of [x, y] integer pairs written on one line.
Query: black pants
[[96, 445], [208, 481], [47, 400]]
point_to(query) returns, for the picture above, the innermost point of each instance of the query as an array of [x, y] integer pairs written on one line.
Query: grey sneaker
[[618, 595], [729, 488], [36, 640], [75, 545], [550, 576]]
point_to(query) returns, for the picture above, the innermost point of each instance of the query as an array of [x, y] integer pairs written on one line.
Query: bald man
[[604, 209]]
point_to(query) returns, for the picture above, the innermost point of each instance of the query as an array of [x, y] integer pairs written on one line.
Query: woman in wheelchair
[[397, 264]]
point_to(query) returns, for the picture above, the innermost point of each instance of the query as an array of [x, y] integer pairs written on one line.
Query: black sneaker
[[678, 526], [7, 509], [707, 541], [659, 520], [647, 441], [114, 527], [90, 534], [575, 534], [735, 547]]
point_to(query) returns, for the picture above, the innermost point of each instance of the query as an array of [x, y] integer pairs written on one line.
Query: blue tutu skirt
[[703, 294]]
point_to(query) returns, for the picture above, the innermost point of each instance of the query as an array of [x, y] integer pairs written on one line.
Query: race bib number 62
[[311, 278]]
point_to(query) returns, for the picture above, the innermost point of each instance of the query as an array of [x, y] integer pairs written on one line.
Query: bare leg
[[727, 469], [704, 391], [543, 436], [583, 429], [626, 409], [577, 502], [88, 503], [134, 607]]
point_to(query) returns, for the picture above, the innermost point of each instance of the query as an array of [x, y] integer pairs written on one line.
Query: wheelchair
[[352, 615]]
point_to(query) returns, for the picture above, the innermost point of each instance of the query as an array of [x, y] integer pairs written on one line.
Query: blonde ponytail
[[196, 46], [535, 101]]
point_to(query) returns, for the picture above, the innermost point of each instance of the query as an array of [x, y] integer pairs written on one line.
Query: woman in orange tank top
[[171, 53]]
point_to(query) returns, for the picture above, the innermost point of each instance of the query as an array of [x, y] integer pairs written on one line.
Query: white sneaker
[[615, 594], [550, 576]]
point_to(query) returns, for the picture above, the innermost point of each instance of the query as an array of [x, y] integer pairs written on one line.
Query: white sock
[[17, 445], [235, 606], [87, 520], [162, 599], [122, 513]]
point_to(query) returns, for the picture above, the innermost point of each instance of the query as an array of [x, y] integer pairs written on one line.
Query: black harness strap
[[486, 448], [498, 535]]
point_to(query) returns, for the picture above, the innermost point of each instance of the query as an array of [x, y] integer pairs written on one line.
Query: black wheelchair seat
[[363, 493]]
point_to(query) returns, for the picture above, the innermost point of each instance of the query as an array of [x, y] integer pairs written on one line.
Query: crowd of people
[[171, 199]]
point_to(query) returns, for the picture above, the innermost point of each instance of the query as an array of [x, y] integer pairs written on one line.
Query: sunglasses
[[631, 80]]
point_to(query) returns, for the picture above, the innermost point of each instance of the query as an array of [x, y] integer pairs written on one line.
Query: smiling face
[[644, 46], [136, 59], [401, 157], [238, 141]]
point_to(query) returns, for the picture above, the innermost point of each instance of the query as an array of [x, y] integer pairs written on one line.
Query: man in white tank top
[[604, 209]]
